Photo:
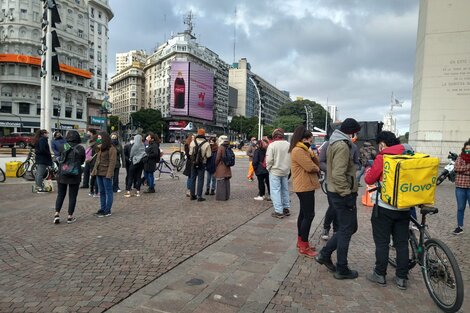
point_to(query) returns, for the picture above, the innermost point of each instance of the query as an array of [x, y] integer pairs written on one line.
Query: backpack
[[409, 180], [229, 157], [197, 158], [68, 164], [210, 165]]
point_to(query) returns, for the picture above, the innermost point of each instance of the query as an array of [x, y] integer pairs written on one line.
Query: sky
[[353, 54]]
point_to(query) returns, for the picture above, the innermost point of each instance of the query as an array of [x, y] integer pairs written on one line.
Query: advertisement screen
[[179, 88], [201, 92]]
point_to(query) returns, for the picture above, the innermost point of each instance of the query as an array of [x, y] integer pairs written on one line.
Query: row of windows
[[25, 108]]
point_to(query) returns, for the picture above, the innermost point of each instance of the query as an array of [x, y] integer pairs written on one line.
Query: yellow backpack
[[409, 180]]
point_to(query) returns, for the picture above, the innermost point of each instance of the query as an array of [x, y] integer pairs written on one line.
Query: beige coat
[[105, 163], [305, 169], [221, 170]]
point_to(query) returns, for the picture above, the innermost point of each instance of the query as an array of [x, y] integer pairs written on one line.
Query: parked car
[[21, 140]]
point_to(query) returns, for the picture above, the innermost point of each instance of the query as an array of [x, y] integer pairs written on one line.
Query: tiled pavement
[[250, 263]]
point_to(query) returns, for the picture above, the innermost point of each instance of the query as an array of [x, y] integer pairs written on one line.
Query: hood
[[73, 137], [394, 150], [338, 136]]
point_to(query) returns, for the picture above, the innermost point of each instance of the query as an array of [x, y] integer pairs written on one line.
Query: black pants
[[306, 213], [135, 176], [346, 215], [116, 180], [197, 174], [86, 175], [128, 166], [330, 216], [93, 185], [62, 192], [395, 223], [263, 182]]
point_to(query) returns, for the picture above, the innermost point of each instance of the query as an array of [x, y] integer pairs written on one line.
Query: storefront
[[8, 127]]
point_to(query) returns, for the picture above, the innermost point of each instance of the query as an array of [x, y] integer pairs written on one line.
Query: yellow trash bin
[[12, 167]]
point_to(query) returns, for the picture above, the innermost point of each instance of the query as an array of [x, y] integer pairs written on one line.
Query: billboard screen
[[201, 92], [179, 88]]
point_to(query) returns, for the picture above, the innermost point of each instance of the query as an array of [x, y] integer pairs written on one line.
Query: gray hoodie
[[137, 150]]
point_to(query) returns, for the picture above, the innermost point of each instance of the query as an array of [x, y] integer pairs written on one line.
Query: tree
[[244, 126], [288, 122], [296, 108], [149, 120], [114, 123]]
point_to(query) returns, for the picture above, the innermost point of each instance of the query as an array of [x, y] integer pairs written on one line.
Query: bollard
[[13, 152]]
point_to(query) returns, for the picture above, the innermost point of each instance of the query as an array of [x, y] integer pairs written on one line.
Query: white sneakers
[[259, 198]]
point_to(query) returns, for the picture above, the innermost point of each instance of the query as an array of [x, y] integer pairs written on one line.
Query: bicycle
[[2, 176], [164, 167], [27, 164], [322, 180], [438, 265], [178, 160]]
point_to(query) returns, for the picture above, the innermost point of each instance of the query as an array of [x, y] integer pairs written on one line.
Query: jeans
[[199, 173], [463, 197], [346, 215], [306, 213], [40, 171], [105, 186], [279, 186], [62, 192], [210, 181], [330, 216], [263, 180], [116, 180], [150, 178], [188, 183], [395, 223]]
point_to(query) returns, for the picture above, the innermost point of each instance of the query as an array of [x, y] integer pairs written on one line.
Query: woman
[[305, 167], [223, 173], [151, 159], [462, 185], [43, 157], [120, 161], [72, 153], [57, 142], [104, 171], [189, 165], [259, 165], [210, 168], [135, 170]]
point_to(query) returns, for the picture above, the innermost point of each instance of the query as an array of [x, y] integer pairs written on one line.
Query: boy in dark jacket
[[210, 168], [259, 166]]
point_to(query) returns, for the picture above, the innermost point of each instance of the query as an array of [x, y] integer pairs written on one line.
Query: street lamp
[[260, 134]]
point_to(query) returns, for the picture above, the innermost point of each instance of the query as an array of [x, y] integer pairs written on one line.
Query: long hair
[[39, 133], [189, 139], [105, 140], [464, 145], [300, 133]]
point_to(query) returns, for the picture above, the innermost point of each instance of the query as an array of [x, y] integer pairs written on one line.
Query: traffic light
[[51, 5]]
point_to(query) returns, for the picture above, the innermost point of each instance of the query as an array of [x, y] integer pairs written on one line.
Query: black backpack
[[229, 157], [69, 162], [197, 158]]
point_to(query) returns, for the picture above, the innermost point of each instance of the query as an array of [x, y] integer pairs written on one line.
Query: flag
[[398, 103]]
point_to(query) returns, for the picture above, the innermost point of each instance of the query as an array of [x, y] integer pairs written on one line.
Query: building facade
[[134, 57], [20, 62]]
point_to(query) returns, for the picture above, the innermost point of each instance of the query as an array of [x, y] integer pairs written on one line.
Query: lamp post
[[260, 134]]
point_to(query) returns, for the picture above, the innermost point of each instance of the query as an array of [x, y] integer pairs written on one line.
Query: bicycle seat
[[427, 209]]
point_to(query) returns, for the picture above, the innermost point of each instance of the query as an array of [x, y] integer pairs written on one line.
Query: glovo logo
[[410, 187], [385, 174]]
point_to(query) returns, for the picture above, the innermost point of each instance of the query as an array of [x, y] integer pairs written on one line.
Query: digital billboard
[[201, 92], [179, 88]]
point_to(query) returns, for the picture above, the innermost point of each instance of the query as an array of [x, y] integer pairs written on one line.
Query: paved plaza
[[164, 253]]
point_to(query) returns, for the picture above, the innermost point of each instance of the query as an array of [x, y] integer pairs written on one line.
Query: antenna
[[234, 34], [188, 20], [164, 26]]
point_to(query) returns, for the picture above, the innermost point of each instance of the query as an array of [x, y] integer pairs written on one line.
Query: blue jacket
[[43, 152], [210, 165], [56, 146]]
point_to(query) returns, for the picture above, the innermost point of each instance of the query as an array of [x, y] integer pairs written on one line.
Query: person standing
[[249, 153], [137, 165], [43, 157], [366, 156], [278, 163], [223, 173], [104, 171], [90, 154], [127, 158], [57, 142], [462, 185], [189, 164], [210, 168], [262, 174], [199, 151], [152, 157], [305, 169], [73, 155], [388, 220], [120, 161], [330, 217], [342, 187]]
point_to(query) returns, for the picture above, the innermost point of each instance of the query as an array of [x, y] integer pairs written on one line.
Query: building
[[20, 62], [441, 89], [248, 102], [134, 57], [333, 111]]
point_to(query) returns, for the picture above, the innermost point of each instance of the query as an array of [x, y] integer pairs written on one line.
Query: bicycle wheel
[[22, 169], [323, 186], [442, 276], [2, 176], [442, 177], [413, 241], [180, 164], [176, 157]]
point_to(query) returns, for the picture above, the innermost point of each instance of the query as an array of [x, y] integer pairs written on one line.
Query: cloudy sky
[[354, 53]]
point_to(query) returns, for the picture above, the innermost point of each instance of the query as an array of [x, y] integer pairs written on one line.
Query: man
[[57, 143], [199, 152], [278, 164], [249, 153], [330, 212], [366, 156], [388, 220], [342, 190]]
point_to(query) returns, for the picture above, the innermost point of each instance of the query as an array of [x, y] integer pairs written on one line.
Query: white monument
[[440, 112]]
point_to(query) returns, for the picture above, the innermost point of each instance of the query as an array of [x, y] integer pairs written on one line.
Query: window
[[99, 56], [79, 114], [56, 111], [99, 84], [5, 107], [80, 33], [7, 91], [38, 109], [99, 14], [23, 108], [11, 70], [34, 72], [92, 28], [92, 53], [99, 29], [23, 14], [68, 112]]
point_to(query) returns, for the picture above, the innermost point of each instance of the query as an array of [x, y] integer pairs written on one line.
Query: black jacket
[[74, 140], [127, 154], [152, 157], [258, 158], [43, 152]]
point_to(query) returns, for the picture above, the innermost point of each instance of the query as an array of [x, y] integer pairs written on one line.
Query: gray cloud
[[355, 53]]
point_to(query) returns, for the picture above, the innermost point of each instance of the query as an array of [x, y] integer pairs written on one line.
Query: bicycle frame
[[423, 234]]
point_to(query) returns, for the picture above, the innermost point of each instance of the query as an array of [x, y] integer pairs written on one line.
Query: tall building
[[126, 59], [20, 62], [441, 89], [333, 111], [248, 102]]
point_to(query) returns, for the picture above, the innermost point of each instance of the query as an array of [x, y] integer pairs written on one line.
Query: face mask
[[132, 142], [98, 141], [115, 142], [467, 151], [307, 144]]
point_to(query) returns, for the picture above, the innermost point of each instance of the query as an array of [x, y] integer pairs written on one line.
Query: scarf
[[465, 157], [301, 145]]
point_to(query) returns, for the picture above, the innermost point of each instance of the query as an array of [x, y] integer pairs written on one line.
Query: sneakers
[[41, 190], [188, 193], [96, 195], [349, 274], [192, 198], [286, 212], [325, 234], [137, 193], [259, 198], [267, 198], [376, 278], [212, 193], [71, 220], [56, 219], [207, 192], [150, 190], [250, 179], [201, 199], [128, 194], [99, 214], [277, 215], [119, 190], [107, 214], [402, 283], [327, 262], [458, 231]]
